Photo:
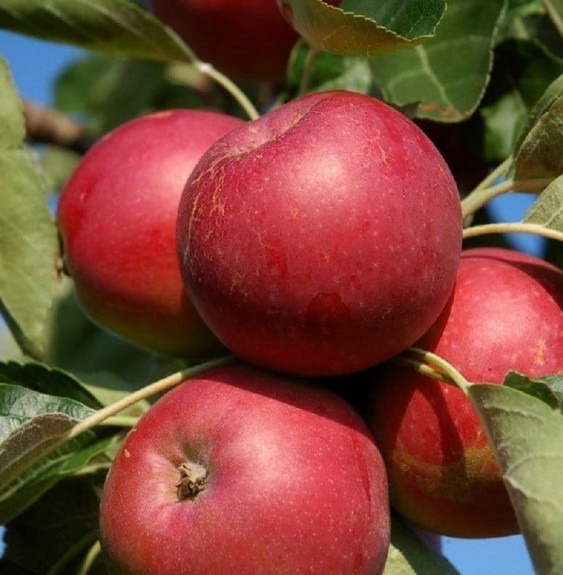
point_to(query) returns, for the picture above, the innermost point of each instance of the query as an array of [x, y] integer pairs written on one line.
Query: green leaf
[[31, 424], [76, 456], [29, 246], [116, 26], [521, 74], [44, 379], [62, 526], [363, 28], [544, 390], [527, 439], [547, 210], [325, 71], [538, 154], [555, 10], [409, 555], [447, 75]]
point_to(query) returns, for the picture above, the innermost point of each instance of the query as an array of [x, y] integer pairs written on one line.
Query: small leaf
[[327, 72], [540, 389], [547, 210], [31, 424], [527, 438], [409, 555], [116, 26], [447, 75], [29, 245], [538, 155], [360, 28]]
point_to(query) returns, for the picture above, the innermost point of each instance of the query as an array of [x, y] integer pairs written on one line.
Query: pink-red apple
[[506, 313], [248, 40], [322, 238], [239, 471], [117, 221]]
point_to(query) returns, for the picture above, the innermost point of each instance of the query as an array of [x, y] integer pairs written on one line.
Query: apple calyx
[[192, 480]]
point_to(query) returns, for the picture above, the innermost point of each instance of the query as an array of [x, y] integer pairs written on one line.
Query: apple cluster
[[315, 244]]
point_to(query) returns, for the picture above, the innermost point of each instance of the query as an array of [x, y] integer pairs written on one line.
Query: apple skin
[[295, 483], [506, 313], [248, 40], [322, 238], [117, 222]]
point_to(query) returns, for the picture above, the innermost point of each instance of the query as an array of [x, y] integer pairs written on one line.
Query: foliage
[[487, 73]]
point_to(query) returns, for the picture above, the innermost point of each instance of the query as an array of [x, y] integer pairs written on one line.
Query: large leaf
[[547, 210], [29, 246], [117, 26], [31, 425], [446, 75], [363, 28], [527, 439], [538, 153]]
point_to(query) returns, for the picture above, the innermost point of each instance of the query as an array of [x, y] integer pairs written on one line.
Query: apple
[[248, 40], [321, 238], [117, 221], [506, 313], [243, 471]]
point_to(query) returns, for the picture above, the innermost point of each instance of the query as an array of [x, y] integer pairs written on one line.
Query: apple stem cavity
[[192, 480]]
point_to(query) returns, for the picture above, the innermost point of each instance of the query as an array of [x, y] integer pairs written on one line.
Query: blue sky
[[34, 64]]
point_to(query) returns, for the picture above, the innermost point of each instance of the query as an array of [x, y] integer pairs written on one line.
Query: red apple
[[506, 313], [241, 471], [322, 238], [248, 40], [117, 221]]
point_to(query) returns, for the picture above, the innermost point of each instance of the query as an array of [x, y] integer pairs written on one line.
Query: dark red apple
[[117, 221], [322, 238], [242, 472], [248, 40], [506, 313]]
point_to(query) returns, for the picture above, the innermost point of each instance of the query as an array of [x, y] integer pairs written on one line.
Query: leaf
[[31, 424], [29, 246], [62, 525], [547, 210], [408, 554], [447, 75], [327, 72], [555, 10], [363, 28], [44, 379], [116, 26], [520, 76], [527, 439], [545, 390], [76, 456], [538, 154]]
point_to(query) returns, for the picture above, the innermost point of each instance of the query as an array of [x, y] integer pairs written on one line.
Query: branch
[[48, 126]]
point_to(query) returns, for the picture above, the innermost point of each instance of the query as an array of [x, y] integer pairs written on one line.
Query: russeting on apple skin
[[321, 238], [506, 313], [242, 471], [117, 221]]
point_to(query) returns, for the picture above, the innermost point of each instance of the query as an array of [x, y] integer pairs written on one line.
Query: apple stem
[[480, 197], [307, 70], [448, 373], [239, 96], [145, 392], [91, 556], [513, 228], [192, 480]]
